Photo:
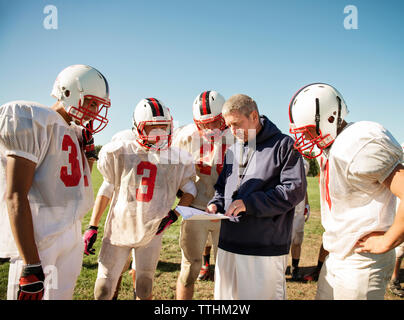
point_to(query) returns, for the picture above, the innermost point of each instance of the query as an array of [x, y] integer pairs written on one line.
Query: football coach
[[262, 181]]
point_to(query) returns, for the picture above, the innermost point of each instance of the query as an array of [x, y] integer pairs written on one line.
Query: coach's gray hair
[[240, 103]]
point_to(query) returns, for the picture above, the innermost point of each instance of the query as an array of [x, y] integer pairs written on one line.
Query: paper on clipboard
[[189, 213]]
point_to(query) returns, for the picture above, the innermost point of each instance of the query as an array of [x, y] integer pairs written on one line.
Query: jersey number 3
[[146, 181], [71, 179]]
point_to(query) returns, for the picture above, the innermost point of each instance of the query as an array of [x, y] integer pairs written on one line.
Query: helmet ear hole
[[331, 119], [67, 93]]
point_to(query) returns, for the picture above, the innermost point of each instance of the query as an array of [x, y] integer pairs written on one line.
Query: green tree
[[314, 167]]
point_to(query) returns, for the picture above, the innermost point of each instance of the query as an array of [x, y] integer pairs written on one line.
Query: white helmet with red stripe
[[318, 108], [207, 108], [152, 112], [78, 82]]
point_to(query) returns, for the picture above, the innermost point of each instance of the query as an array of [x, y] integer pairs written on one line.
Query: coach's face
[[242, 127]]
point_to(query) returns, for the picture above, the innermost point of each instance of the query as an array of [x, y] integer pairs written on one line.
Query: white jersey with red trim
[[208, 158], [145, 187], [124, 135], [354, 201], [61, 192]]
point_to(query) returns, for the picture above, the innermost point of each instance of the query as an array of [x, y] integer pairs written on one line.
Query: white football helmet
[[78, 82], [207, 108], [316, 106], [151, 111]]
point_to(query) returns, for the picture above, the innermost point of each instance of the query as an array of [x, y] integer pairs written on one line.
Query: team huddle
[[230, 160]]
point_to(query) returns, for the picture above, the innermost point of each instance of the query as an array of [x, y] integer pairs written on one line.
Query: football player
[[90, 235], [302, 214], [46, 181], [141, 179], [207, 140], [363, 174]]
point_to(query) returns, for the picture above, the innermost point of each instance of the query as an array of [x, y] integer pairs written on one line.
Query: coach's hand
[[90, 236], [167, 221], [236, 208], [31, 283], [88, 142]]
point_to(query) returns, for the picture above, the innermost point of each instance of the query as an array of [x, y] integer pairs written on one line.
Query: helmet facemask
[[157, 139], [83, 114], [207, 133]]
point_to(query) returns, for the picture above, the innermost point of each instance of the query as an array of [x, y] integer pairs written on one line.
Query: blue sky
[[173, 50]]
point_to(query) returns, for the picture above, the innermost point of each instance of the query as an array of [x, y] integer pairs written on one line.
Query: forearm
[[395, 182], [101, 203], [186, 200], [273, 202], [22, 227], [90, 164], [395, 235]]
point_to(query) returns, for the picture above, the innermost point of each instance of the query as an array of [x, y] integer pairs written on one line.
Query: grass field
[[169, 264]]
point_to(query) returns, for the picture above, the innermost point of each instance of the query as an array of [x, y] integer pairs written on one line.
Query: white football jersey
[[208, 158], [145, 187], [61, 192], [354, 200], [124, 135]]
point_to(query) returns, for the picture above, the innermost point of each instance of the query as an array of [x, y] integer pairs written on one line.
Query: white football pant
[[61, 262], [245, 277], [112, 260], [357, 277]]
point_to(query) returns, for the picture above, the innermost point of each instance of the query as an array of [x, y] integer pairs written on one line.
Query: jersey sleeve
[[106, 163], [187, 183], [374, 162], [20, 134], [183, 136], [106, 190]]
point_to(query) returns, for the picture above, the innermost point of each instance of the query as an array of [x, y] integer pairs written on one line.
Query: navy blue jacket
[[274, 183]]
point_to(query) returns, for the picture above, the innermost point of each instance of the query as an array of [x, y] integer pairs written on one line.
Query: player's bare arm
[[101, 203], [185, 200], [20, 173], [382, 242]]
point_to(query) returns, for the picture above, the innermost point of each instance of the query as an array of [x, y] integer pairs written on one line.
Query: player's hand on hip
[[235, 208], [31, 285], [372, 243], [90, 236], [88, 142], [167, 221]]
